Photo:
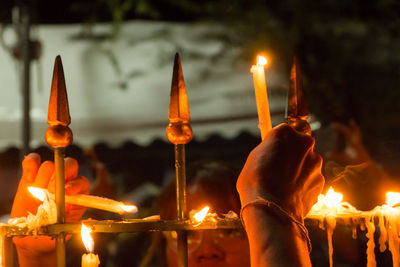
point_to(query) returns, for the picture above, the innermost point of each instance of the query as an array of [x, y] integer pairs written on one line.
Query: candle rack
[[179, 133], [58, 135]]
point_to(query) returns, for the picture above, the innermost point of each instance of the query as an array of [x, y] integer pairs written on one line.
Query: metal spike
[[58, 113], [178, 106], [297, 106]]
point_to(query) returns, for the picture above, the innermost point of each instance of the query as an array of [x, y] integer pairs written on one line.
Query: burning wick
[[261, 61], [332, 199], [392, 198], [90, 259], [201, 215], [86, 201]]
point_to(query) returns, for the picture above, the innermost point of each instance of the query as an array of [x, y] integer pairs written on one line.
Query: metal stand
[[181, 202]]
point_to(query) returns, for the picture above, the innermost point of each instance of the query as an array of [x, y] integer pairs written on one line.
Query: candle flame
[[332, 199], [37, 192], [87, 238], [392, 198], [261, 60], [199, 216], [129, 208]]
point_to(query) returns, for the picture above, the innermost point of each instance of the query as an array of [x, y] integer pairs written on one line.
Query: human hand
[[283, 169], [354, 152], [42, 175]]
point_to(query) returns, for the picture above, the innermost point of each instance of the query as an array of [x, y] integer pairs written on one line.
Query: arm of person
[[273, 242], [40, 251], [283, 170]]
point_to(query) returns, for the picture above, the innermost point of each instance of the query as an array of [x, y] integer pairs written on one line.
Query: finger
[[30, 166], [344, 129], [293, 137], [73, 213], [314, 180], [44, 174], [79, 185], [311, 171], [71, 168]]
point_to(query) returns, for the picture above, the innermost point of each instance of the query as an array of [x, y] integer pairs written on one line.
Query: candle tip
[[129, 208], [261, 60]]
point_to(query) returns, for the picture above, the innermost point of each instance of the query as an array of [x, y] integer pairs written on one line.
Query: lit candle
[[260, 87], [87, 201], [90, 259], [201, 215]]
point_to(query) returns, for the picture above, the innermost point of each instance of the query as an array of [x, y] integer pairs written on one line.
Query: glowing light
[[261, 60], [199, 216], [332, 199], [129, 208], [87, 238], [37, 193], [392, 198]]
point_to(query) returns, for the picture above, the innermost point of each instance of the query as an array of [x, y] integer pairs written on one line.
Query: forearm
[[273, 241], [35, 251], [28, 259]]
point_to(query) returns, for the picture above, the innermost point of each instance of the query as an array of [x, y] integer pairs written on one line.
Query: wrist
[[275, 237], [281, 216]]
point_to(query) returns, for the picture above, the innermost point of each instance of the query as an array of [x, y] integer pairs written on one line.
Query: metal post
[[25, 77], [8, 251], [59, 136], [181, 202], [179, 133], [60, 202]]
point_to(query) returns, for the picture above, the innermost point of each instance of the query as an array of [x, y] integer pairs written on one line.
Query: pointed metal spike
[[58, 113], [178, 106], [297, 106]]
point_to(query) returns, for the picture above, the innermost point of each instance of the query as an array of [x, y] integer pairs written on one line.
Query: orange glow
[[392, 198], [332, 199], [87, 238], [262, 60], [199, 216], [37, 192], [129, 208]]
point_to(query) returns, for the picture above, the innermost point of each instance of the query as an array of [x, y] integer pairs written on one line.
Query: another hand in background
[[354, 152]]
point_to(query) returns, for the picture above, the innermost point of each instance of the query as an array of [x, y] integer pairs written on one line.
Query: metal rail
[[125, 226]]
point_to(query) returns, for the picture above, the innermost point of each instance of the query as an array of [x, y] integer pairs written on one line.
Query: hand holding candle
[[35, 173], [90, 259], [261, 96]]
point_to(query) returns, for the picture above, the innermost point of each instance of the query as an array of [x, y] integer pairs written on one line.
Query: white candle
[[261, 96], [87, 201], [90, 259]]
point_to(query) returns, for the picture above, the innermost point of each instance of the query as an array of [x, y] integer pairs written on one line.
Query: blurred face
[[211, 247]]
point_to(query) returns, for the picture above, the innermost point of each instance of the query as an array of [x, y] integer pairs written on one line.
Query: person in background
[[209, 183]]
